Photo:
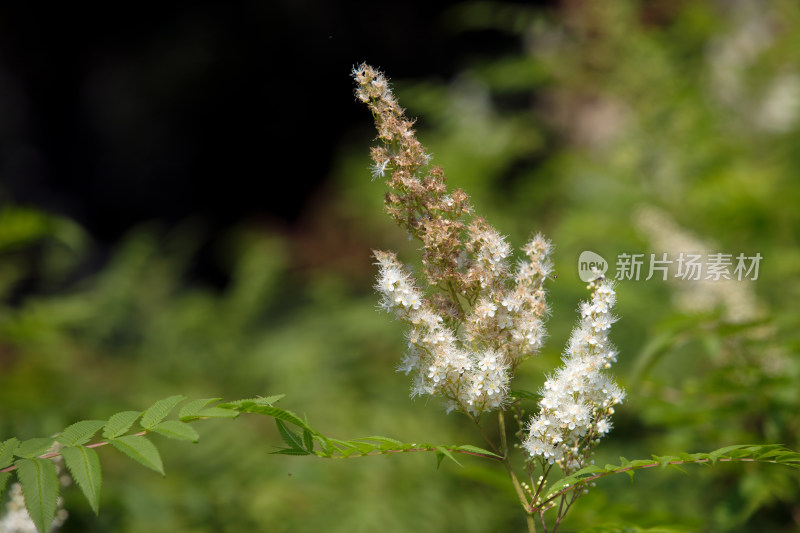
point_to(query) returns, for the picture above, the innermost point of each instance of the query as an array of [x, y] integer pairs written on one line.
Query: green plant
[[479, 320]]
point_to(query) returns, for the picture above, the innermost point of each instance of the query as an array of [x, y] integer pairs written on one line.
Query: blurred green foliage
[[689, 107]]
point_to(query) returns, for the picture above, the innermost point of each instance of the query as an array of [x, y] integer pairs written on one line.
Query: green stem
[[455, 298], [485, 436], [514, 481]]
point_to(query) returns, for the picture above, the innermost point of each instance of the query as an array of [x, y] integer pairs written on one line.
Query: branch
[[766, 453]]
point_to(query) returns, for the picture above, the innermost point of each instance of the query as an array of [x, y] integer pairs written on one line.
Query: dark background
[[209, 110]]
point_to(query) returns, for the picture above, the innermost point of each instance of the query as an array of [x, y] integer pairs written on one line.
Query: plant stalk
[[517, 487]]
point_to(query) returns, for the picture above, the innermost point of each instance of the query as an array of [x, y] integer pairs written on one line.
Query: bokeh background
[[187, 208]]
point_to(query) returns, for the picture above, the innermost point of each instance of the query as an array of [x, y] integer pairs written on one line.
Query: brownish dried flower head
[[482, 317]]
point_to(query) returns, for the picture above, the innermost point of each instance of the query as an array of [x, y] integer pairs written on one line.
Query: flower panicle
[[418, 199], [470, 380], [578, 400], [480, 316]]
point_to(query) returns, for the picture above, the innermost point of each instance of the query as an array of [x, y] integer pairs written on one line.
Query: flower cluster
[[470, 367], [481, 316], [578, 400]]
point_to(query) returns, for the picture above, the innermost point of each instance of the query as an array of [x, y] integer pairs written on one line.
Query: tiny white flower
[[601, 322], [492, 387], [603, 426], [539, 426], [379, 168], [532, 339], [475, 393], [436, 373], [488, 362], [536, 447]]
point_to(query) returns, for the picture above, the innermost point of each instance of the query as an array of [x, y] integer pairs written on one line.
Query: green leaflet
[[772, 451], [384, 445], [386, 442], [308, 440], [665, 460], [40, 485], [679, 469], [693, 457], [192, 407], [120, 423], [32, 447], [468, 448], [274, 412], [239, 405], [198, 410], [156, 412], [7, 449], [576, 478], [291, 451], [80, 432], [6, 458], [716, 454], [3, 481], [176, 430], [345, 448], [84, 465], [441, 453], [325, 447], [141, 450], [295, 442]]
